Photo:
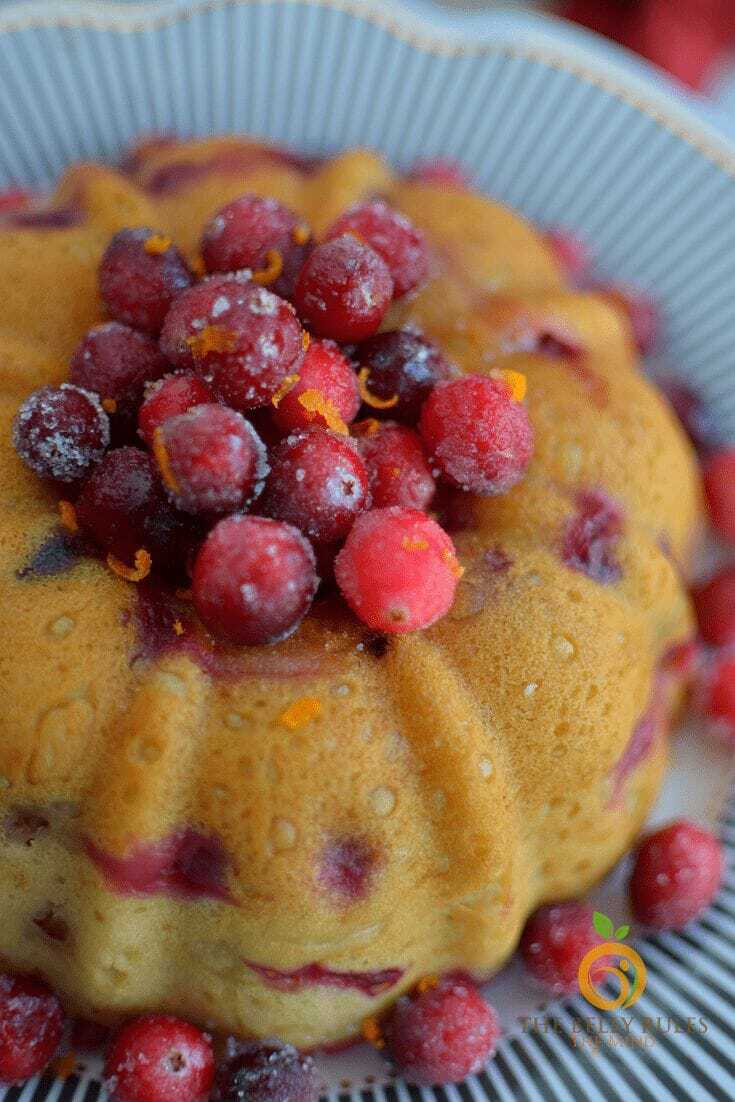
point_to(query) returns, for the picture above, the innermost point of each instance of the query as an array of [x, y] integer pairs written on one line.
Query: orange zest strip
[[213, 338], [427, 983], [272, 270], [300, 234], [198, 267], [301, 712], [395, 472], [414, 545], [313, 401], [288, 384], [68, 515], [178, 627], [164, 463], [514, 380], [156, 244], [372, 1033], [368, 427], [109, 405], [372, 399], [135, 573], [452, 562], [305, 340], [65, 1066]]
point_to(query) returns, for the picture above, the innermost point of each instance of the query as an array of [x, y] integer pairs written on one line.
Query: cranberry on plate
[[159, 1058], [555, 939], [265, 1071], [677, 873], [31, 1023]]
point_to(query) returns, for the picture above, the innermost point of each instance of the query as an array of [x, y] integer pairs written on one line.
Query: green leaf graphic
[[602, 924], [621, 933]]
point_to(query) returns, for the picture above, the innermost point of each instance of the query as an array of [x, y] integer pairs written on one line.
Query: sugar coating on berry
[[265, 1071], [344, 290], [442, 1034], [173, 394], [61, 432], [31, 1024], [715, 605], [397, 467], [159, 1058], [393, 236], [555, 939], [677, 873], [254, 580], [240, 337], [211, 460], [591, 536], [318, 482], [398, 570], [116, 362], [140, 275], [719, 488], [347, 868], [402, 370], [119, 501], [324, 374], [477, 435]]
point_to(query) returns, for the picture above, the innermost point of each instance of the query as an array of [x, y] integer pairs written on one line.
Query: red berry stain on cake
[[642, 741], [59, 552], [52, 925], [180, 174], [61, 218], [187, 864], [347, 868], [590, 537], [24, 825], [316, 975]]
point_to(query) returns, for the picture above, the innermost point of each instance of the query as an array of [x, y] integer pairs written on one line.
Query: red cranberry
[[398, 570], [257, 233], [31, 1022], [325, 376], [318, 482], [719, 488], [571, 254], [344, 290], [254, 580], [397, 468], [119, 502], [211, 460], [442, 1034], [265, 1071], [717, 696], [393, 236], [440, 171], [401, 370], [347, 869], [169, 396], [715, 605], [591, 535], [642, 313], [554, 941], [16, 199], [140, 275], [61, 432], [240, 337], [159, 1058], [477, 434], [116, 362], [676, 875]]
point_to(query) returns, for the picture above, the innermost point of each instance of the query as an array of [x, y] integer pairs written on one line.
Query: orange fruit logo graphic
[[596, 965]]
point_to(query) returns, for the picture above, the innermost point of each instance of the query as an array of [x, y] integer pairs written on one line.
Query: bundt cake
[[278, 840]]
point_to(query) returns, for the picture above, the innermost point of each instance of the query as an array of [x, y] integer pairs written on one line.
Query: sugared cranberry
[[591, 535], [240, 337], [676, 875], [118, 502], [318, 482], [326, 386], [344, 290], [393, 236], [571, 253], [715, 605], [642, 313], [440, 171], [442, 1034], [31, 1022], [116, 362], [698, 420], [61, 432], [211, 460], [260, 234], [716, 695], [477, 434], [140, 275], [159, 1058], [169, 396], [398, 570], [555, 939], [254, 580], [719, 488], [265, 1071], [397, 467], [401, 370]]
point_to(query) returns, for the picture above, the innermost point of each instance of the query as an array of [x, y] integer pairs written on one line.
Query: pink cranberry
[[159, 1058], [169, 396], [324, 376], [347, 869], [31, 1022], [140, 275], [719, 488], [400, 369], [443, 1034], [318, 482], [260, 234], [397, 468], [211, 460], [717, 695], [239, 337], [554, 941], [477, 434], [676, 875], [61, 432], [571, 253], [116, 362], [591, 535], [344, 290], [254, 580], [715, 605], [393, 236], [398, 570], [440, 171], [265, 1071], [642, 312]]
